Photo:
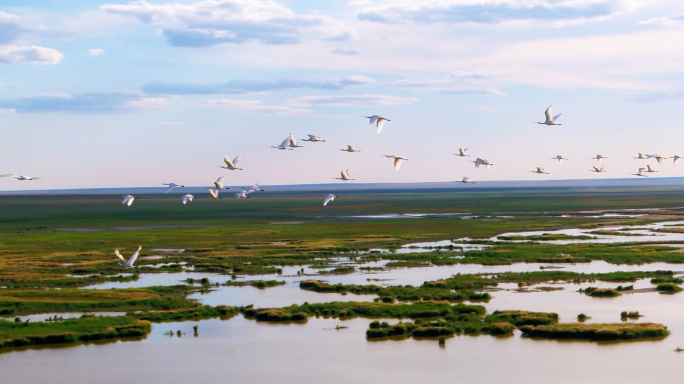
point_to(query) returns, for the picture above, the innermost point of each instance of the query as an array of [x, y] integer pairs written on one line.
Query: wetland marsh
[[351, 293]]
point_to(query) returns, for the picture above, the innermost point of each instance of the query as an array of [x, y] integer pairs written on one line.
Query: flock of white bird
[[291, 143]]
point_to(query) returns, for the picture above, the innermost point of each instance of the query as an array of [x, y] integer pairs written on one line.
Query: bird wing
[[293, 141], [540, 169], [285, 142], [128, 199], [236, 160], [596, 168], [556, 117], [219, 182], [350, 148], [185, 199], [381, 123], [344, 174], [641, 170], [659, 159], [312, 137], [397, 163], [549, 113], [134, 257], [328, 199], [214, 193], [170, 188], [373, 119], [228, 162], [116, 252]]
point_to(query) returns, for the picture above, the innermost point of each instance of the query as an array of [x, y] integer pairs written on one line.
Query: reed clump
[[600, 292], [668, 288], [620, 331]]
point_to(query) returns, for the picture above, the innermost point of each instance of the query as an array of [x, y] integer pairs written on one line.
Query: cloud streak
[[83, 103], [236, 87], [455, 82], [490, 12], [351, 101], [212, 22], [254, 106]]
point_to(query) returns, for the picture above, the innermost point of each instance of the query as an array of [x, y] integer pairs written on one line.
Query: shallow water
[[251, 352]]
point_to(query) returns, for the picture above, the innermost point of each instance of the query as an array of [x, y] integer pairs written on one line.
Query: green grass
[[596, 332], [86, 328]]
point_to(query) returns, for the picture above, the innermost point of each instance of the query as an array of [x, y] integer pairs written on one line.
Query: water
[[252, 352]]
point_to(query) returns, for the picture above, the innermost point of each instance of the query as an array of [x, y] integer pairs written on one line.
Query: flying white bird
[[599, 158], [559, 158], [676, 158], [640, 173], [540, 171], [172, 186], [461, 152], [658, 158], [187, 198], [293, 142], [328, 198], [254, 188], [345, 176], [219, 183], [20, 177], [549, 119], [350, 149], [214, 193], [640, 157], [484, 162], [231, 165], [597, 169], [243, 194], [284, 145], [314, 139], [466, 180], [649, 169], [397, 160], [131, 260], [379, 121], [128, 200]]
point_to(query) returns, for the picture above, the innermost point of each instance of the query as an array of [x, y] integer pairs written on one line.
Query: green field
[[48, 243]]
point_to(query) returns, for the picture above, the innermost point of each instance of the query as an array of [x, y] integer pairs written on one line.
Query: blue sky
[[116, 93]]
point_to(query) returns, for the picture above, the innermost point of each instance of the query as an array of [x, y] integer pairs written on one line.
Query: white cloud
[[341, 51], [95, 52], [351, 100], [556, 12], [83, 103], [211, 22], [29, 55], [668, 21], [455, 82], [254, 106]]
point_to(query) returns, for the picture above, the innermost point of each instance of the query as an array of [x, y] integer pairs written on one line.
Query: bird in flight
[[640, 157], [172, 186], [550, 119], [466, 180], [484, 162], [397, 160], [649, 169], [285, 144], [219, 183], [676, 158], [231, 165], [599, 158], [293, 142], [378, 120], [214, 193], [128, 200], [254, 188], [187, 198], [658, 158], [640, 173], [328, 198], [350, 149], [20, 177], [461, 152], [131, 260], [314, 139], [559, 158], [596, 169], [540, 171], [344, 175]]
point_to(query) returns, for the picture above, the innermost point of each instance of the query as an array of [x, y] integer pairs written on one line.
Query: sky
[[135, 94]]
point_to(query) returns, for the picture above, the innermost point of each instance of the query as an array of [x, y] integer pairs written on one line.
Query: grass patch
[[621, 331]]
